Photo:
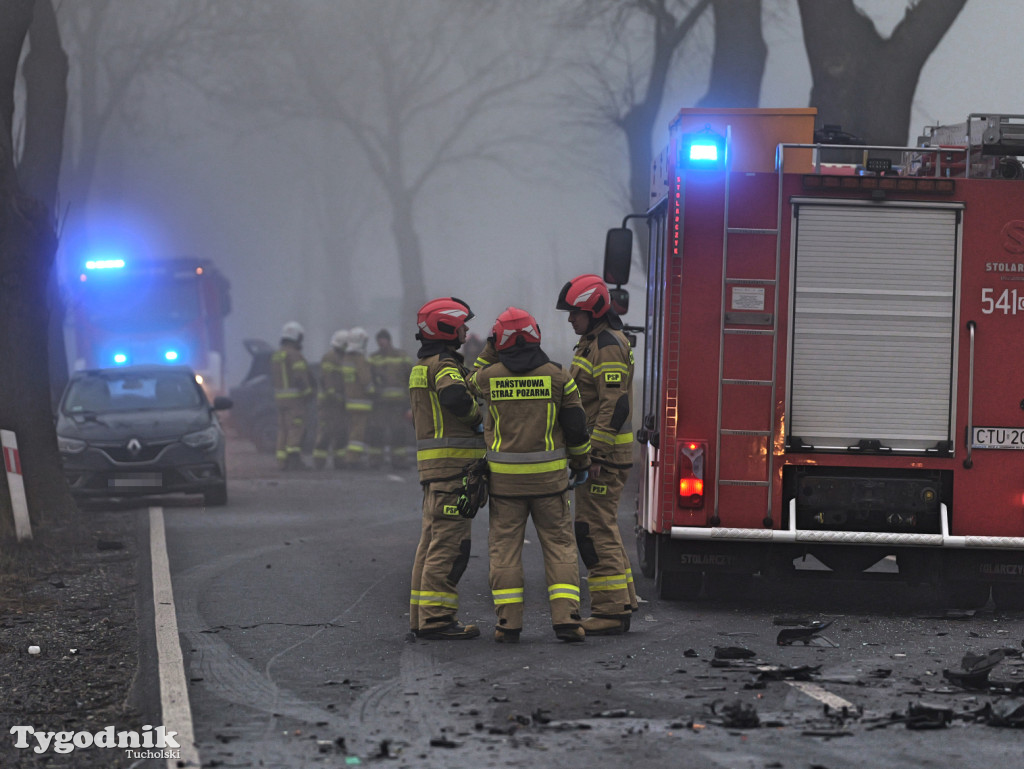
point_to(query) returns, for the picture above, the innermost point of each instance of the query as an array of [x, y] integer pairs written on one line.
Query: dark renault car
[[141, 430]]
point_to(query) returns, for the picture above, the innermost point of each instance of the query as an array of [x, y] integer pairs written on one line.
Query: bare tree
[[626, 86], [28, 245], [865, 82], [420, 89]]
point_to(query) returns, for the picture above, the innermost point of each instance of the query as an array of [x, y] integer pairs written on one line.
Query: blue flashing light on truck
[[130, 312]]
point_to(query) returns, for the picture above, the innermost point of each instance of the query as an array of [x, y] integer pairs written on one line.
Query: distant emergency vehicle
[[834, 356], [125, 312]]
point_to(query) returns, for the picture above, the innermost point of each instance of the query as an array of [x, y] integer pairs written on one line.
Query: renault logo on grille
[[134, 447]]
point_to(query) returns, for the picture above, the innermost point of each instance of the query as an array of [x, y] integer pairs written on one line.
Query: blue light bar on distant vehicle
[[171, 355], [104, 264]]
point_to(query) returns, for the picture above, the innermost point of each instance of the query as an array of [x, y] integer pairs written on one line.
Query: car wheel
[[217, 496]]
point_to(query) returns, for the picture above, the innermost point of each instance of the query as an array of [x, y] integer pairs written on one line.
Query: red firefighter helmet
[[441, 319], [585, 292], [514, 325]]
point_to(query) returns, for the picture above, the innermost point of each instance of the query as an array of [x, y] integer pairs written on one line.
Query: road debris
[[736, 715], [804, 634]]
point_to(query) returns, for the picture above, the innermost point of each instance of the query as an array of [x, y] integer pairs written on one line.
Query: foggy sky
[[254, 198]]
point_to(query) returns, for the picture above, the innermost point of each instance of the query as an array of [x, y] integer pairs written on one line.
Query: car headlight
[[204, 439], [70, 445]]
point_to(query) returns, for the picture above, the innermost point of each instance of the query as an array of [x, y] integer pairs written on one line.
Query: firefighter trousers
[[552, 519], [441, 558], [355, 451], [609, 576], [331, 432], [291, 425]]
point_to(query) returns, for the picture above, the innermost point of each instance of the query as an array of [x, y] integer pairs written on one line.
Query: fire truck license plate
[[998, 438]]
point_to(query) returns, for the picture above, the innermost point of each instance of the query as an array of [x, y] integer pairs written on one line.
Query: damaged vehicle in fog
[[141, 431]]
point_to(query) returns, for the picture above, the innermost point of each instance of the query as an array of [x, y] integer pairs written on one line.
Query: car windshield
[[132, 391]]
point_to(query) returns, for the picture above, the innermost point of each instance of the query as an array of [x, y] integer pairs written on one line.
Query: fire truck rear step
[[794, 535]]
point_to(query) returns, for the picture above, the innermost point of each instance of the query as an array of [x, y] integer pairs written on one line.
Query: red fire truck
[[834, 357], [126, 312]]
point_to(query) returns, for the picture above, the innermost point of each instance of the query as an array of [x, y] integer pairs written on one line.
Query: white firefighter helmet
[[292, 330], [340, 339], [357, 338]]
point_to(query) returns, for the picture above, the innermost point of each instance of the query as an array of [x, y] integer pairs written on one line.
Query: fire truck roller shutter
[[873, 324]]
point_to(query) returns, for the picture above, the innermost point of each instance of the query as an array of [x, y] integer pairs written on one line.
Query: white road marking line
[[174, 704], [822, 695]]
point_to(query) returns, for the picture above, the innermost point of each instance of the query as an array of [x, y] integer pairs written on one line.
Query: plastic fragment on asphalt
[[34, 650], [803, 634]]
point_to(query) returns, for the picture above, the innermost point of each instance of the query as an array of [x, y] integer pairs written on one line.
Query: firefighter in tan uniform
[[292, 392], [449, 438], [536, 431], [331, 424], [358, 397], [602, 367], [390, 368]]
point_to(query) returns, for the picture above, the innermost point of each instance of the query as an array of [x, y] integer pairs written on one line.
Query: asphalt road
[[293, 617]]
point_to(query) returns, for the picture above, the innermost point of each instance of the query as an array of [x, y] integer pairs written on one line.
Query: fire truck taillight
[[691, 473]]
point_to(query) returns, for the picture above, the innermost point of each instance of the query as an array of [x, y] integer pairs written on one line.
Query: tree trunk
[[410, 260], [28, 245], [865, 83], [46, 72], [738, 62]]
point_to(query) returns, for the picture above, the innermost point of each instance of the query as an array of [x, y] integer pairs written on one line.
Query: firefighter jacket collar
[[603, 323], [429, 349], [519, 360]]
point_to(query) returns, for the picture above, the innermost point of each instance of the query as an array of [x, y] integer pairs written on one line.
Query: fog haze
[[288, 208]]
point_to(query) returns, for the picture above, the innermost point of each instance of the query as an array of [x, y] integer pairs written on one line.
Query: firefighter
[[602, 367], [449, 438], [358, 397], [331, 423], [390, 368], [537, 430], [292, 392]]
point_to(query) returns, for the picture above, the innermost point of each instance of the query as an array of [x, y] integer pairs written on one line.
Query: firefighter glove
[[473, 495], [578, 478]]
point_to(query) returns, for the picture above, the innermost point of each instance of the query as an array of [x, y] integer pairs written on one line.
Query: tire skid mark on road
[[230, 677]]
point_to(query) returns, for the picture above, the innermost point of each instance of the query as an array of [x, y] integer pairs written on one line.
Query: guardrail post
[[16, 484]]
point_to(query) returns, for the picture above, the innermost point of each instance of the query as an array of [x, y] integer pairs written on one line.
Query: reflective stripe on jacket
[[332, 382], [445, 444], [390, 374], [358, 382], [527, 450], [290, 374], [602, 366]]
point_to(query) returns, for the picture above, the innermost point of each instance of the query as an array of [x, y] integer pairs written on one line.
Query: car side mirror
[[222, 403], [618, 255]]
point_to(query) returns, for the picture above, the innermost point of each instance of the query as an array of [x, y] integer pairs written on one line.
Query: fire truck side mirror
[[620, 300], [618, 255]]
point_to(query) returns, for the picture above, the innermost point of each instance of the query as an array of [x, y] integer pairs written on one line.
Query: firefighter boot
[[454, 631], [600, 625], [570, 633], [507, 636]]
